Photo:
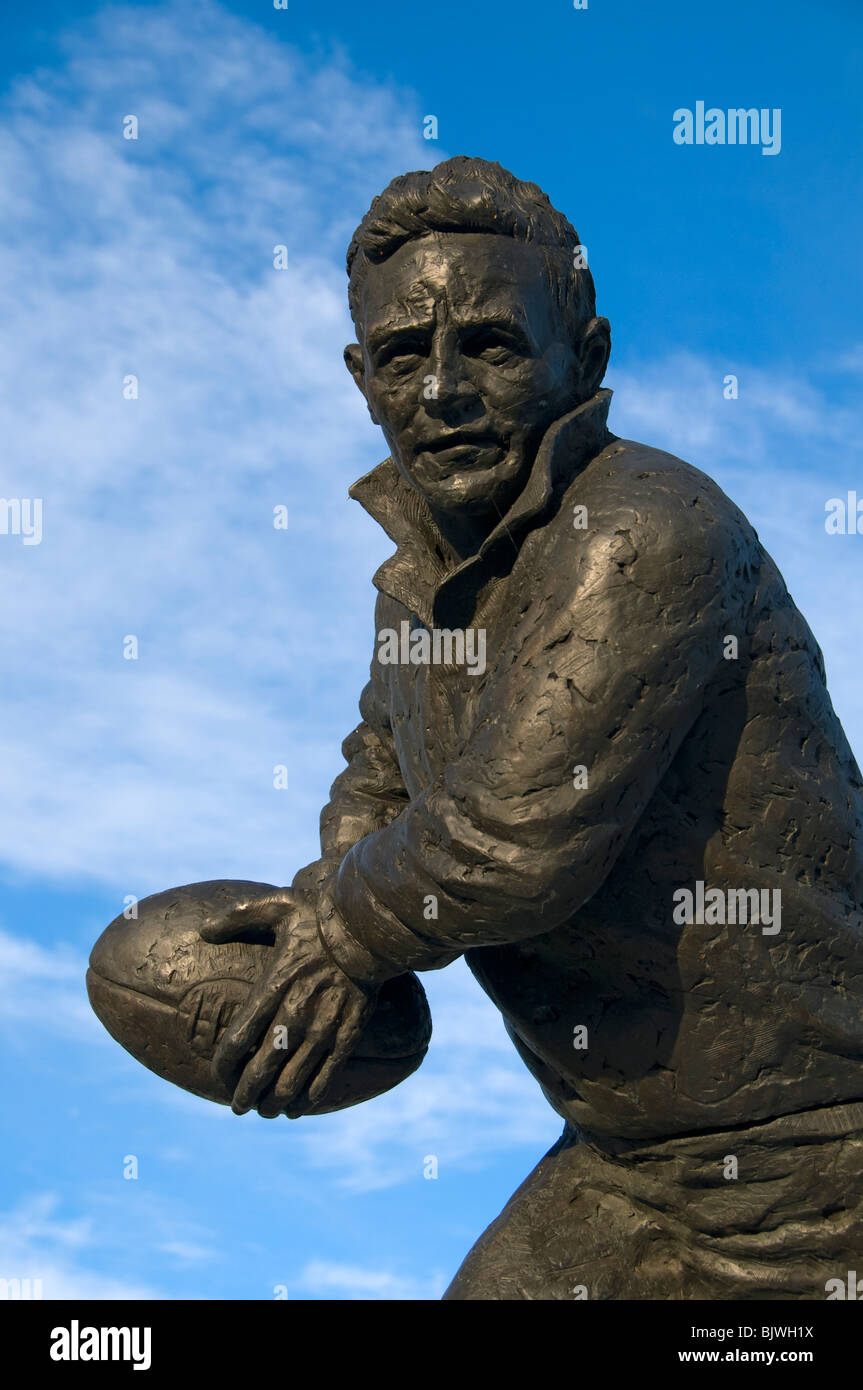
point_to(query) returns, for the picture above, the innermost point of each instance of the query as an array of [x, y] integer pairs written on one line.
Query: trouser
[[767, 1211]]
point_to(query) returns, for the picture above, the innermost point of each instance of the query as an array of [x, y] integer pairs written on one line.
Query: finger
[[268, 1108], [273, 1049], [346, 1038], [245, 1028], [265, 912], [262, 1069], [296, 1072], [322, 1027]]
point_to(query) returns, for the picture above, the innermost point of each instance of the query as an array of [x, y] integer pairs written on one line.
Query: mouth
[[462, 448]]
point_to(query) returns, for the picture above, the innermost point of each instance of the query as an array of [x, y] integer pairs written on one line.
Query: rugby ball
[[167, 996]]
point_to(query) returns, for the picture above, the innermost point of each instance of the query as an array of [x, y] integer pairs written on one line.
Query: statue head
[[475, 315]]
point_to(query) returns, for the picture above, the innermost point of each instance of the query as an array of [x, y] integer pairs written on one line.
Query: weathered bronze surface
[[596, 757]]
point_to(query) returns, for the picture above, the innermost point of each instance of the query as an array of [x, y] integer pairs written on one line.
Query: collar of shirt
[[417, 575]]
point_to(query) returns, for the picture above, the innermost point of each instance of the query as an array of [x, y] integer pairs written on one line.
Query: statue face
[[465, 362]]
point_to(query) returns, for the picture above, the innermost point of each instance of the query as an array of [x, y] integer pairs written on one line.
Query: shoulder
[[643, 506]]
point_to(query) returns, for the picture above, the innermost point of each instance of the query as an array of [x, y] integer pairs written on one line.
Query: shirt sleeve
[[365, 797], [511, 840]]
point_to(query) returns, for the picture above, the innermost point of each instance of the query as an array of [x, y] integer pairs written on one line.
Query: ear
[[593, 355], [357, 368]]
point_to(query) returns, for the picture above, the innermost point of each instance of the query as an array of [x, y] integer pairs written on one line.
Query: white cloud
[[472, 1097], [99, 1252], [254, 644], [333, 1280], [35, 1245], [154, 257], [780, 451], [42, 989], [852, 361], [186, 1252]]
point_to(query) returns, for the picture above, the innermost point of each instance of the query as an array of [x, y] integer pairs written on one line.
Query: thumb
[[255, 916]]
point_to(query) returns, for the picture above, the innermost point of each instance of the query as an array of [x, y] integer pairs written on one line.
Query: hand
[[319, 1013]]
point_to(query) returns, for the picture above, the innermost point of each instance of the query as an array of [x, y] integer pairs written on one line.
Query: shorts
[[765, 1211]]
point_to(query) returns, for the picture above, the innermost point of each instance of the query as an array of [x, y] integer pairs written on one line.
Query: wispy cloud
[[331, 1280], [254, 644], [155, 258], [781, 449], [36, 1245], [158, 511], [42, 991], [471, 1098]]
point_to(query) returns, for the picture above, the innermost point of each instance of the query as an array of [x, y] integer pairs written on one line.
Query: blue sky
[[154, 257]]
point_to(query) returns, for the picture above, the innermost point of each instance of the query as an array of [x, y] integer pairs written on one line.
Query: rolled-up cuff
[[352, 958]]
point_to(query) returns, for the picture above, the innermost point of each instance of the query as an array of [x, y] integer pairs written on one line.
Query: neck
[[463, 534]]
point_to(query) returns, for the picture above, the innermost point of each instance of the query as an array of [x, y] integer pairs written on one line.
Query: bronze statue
[[596, 757]]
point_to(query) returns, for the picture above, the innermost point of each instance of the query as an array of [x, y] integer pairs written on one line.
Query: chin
[[476, 490]]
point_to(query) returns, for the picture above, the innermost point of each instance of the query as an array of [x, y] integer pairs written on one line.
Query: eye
[[492, 345], [401, 354]]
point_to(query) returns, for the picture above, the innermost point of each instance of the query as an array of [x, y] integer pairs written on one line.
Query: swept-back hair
[[472, 195]]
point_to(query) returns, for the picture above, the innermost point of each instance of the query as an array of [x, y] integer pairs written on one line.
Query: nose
[[455, 397]]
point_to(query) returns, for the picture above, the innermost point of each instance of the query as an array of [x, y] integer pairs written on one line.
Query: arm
[[365, 797], [303, 988], [612, 679]]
